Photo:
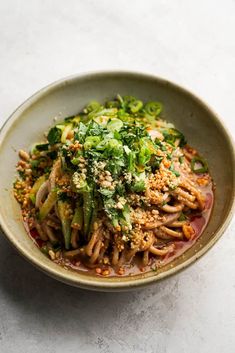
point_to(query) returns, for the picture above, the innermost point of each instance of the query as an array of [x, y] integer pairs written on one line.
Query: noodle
[[74, 238], [161, 252], [112, 187], [173, 209], [171, 232], [115, 257], [96, 251]]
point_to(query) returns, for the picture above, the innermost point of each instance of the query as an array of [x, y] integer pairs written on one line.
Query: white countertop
[[190, 42]]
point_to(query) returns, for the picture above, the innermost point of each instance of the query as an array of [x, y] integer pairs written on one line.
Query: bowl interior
[[199, 124]]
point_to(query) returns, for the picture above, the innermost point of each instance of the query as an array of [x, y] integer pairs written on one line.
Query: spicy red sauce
[[198, 221]]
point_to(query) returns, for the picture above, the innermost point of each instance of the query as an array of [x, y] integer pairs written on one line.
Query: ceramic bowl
[[195, 119]]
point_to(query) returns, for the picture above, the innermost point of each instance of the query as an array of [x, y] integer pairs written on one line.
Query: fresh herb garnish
[[172, 136], [174, 171], [54, 135], [42, 147]]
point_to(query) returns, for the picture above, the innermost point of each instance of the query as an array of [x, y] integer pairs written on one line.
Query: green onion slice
[[135, 106], [153, 108], [203, 167]]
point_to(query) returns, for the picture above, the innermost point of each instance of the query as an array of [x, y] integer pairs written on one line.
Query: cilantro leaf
[[54, 135]]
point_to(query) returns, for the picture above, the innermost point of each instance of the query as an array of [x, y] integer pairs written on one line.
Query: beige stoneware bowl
[[201, 126]]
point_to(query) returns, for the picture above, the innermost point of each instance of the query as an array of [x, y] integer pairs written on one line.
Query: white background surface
[[190, 42]]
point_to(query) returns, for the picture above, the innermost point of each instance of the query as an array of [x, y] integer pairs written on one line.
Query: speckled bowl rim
[[91, 282]]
